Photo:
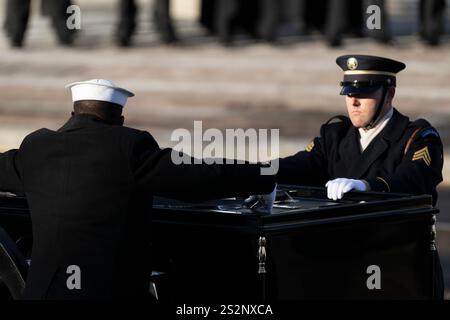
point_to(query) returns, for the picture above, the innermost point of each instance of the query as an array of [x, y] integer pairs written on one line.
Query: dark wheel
[[13, 268]]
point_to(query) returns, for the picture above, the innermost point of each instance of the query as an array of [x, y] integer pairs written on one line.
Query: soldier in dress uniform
[[375, 148], [90, 185]]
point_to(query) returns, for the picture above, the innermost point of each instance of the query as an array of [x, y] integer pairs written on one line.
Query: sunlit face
[[361, 108]]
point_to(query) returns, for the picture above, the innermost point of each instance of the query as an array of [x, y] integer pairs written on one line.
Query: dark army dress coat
[[89, 187], [405, 157]]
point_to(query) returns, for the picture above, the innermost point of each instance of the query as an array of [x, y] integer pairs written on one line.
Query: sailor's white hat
[[99, 89]]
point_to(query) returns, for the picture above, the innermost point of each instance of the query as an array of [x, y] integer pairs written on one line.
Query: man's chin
[[359, 124]]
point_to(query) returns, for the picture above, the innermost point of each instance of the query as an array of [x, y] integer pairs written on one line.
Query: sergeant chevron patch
[[422, 154], [310, 146]]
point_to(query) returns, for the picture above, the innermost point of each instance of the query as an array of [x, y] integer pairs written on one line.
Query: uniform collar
[[83, 120], [358, 163], [395, 127], [380, 125]]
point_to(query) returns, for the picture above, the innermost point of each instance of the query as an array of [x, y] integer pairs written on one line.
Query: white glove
[[337, 187], [261, 203]]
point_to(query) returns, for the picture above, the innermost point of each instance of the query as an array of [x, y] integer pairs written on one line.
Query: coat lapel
[[382, 142], [349, 150], [373, 151]]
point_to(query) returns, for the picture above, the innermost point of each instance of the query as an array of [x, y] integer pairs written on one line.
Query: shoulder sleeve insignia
[[422, 154], [310, 146], [429, 132]]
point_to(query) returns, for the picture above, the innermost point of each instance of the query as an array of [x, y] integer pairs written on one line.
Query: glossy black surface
[[315, 248]]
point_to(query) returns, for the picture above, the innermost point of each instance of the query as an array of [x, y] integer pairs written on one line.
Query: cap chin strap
[[376, 117]]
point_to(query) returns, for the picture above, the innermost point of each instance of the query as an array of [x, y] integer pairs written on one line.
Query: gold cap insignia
[[310, 146], [422, 154], [352, 63]]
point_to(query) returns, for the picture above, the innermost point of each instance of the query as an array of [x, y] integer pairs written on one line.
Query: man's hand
[[261, 203], [337, 187]]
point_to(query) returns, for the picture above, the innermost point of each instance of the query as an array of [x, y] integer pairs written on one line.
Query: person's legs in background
[[225, 15], [269, 20], [382, 35], [127, 22], [17, 15], [58, 15], [336, 21], [431, 20], [294, 15], [163, 21]]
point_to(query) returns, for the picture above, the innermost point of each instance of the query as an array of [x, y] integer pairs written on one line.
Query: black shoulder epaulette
[[425, 129], [420, 123], [422, 128]]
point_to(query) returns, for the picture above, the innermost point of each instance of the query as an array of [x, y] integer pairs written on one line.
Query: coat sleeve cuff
[[367, 185], [379, 184]]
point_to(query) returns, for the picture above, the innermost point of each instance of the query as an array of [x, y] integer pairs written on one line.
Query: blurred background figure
[[234, 17], [281, 18], [349, 16], [269, 20], [207, 15], [18, 13], [161, 19], [127, 22], [431, 20], [266, 20], [336, 21], [384, 34]]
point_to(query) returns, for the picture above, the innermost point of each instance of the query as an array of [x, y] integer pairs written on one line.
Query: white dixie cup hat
[[99, 89]]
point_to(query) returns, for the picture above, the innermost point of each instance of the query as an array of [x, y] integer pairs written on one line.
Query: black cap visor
[[358, 90]]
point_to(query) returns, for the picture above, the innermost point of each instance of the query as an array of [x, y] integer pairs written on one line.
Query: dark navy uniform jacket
[[89, 187], [405, 157]]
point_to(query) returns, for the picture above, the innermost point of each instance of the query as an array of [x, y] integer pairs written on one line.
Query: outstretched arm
[[10, 177], [307, 167], [155, 170]]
